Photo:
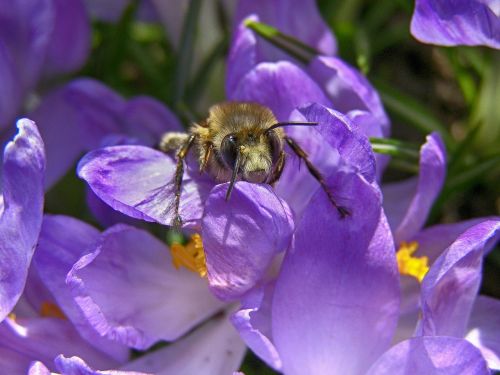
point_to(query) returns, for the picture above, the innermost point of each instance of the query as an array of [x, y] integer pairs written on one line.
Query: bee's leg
[[179, 174], [316, 174], [207, 149]]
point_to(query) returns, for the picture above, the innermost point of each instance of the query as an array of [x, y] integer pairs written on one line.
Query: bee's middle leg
[[316, 174]]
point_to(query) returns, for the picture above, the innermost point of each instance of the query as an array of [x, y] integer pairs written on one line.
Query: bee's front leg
[[316, 174], [179, 174]]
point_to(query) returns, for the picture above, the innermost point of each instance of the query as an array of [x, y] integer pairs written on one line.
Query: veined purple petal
[[329, 145], [242, 235], [63, 240], [336, 300], [348, 89], [129, 290], [26, 340], [298, 18], [69, 43], [450, 287], [25, 30], [253, 322], [431, 355], [484, 329], [461, 22], [21, 207], [138, 181], [408, 203], [214, 348], [280, 86]]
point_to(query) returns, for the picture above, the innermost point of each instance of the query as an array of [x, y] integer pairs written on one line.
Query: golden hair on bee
[[238, 141]]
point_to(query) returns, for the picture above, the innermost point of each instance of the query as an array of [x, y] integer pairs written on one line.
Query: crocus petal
[[450, 287], [484, 329], [25, 32], [10, 91], [462, 22], [433, 241], [330, 144], [214, 348], [408, 203], [306, 25], [253, 322], [63, 240], [348, 89], [77, 366], [336, 300], [38, 368], [26, 340], [431, 355], [69, 43], [138, 181], [129, 290], [280, 86], [20, 210], [242, 235]]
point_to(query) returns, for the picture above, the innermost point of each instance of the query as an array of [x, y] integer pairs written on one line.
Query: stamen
[[190, 255], [51, 310], [410, 265]]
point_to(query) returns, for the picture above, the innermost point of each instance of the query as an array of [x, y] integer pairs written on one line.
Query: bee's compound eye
[[229, 150], [275, 144]]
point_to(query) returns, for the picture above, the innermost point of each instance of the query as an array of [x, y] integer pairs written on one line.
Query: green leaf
[[411, 111], [395, 148], [185, 53]]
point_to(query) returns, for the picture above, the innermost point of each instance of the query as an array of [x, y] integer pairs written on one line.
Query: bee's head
[[254, 155]]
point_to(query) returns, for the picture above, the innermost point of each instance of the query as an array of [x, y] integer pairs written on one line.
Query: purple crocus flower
[[449, 256], [462, 22], [121, 288], [21, 207], [38, 39]]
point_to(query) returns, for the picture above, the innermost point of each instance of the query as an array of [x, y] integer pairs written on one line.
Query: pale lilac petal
[[484, 329], [431, 355], [26, 340], [336, 301], [408, 203], [77, 366], [138, 181], [214, 348], [460, 22], [450, 287], [242, 235], [63, 240], [25, 30], [330, 144], [349, 90], [69, 43], [280, 86], [38, 368], [298, 18], [129, 290], [21, 207], [253, 322]]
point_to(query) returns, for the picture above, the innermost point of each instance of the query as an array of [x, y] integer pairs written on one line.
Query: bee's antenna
[[236, 169], [291, 123]]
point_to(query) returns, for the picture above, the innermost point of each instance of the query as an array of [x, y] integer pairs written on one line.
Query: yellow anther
[[190, 255], [12, 317], [51, 310], [410, 265]]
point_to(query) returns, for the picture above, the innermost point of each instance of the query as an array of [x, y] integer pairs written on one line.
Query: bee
[[238, 141]]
